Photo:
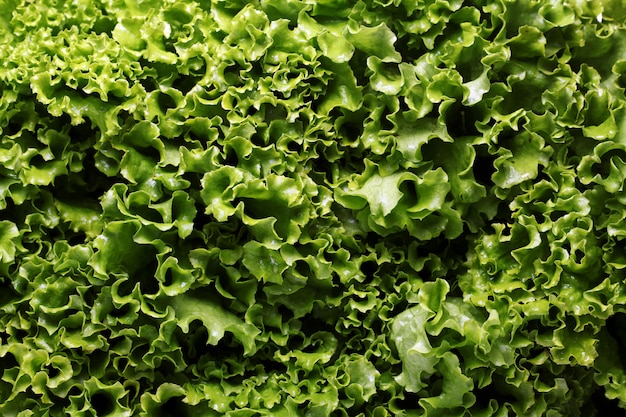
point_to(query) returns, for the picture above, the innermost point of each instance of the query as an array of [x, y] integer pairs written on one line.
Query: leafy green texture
[[312, 208]]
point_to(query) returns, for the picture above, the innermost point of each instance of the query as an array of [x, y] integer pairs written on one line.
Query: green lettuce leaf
[[287, 208]]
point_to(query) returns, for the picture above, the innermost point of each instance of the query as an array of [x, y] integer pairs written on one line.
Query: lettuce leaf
[[331, 208]]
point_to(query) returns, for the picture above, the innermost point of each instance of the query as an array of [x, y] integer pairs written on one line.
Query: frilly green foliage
[[312, 208]]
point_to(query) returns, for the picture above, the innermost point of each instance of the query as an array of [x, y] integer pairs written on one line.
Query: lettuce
[[294, 208]]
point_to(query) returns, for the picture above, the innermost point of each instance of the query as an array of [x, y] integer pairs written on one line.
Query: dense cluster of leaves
[[312, 208]]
